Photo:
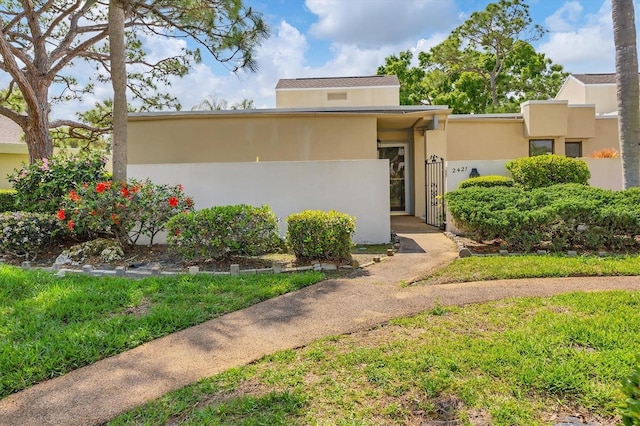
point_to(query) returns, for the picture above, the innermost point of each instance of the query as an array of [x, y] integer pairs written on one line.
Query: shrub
[[486, 181], [314, 234], [224, 231], [605, 153], [124, 211], [631, 390], [7, 200], [556, 218], [41, 186], [546, 170], [25, 233]]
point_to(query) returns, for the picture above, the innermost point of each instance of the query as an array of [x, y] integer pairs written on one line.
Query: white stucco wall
[[357, 187]]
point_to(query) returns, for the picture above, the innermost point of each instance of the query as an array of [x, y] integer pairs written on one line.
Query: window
[[573, 149], [540, 147]]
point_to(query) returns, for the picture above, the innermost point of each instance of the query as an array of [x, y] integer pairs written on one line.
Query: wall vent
[[337, 96]]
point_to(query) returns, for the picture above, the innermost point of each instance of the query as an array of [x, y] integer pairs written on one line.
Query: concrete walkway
[[97, 393]]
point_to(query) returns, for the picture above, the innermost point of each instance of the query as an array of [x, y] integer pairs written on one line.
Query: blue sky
[[352, 37], [311, 38]]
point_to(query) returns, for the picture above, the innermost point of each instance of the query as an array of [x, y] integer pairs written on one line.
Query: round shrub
[[24, 233], [546, 170], [486, 181], [7, 200], [315, 234], [41, 186], [224, 231]]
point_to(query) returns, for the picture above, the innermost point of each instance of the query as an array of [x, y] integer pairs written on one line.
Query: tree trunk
[[119, 83], [624, 32], [36, 132]]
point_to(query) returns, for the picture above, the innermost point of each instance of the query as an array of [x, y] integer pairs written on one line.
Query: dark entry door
[[397, 176]]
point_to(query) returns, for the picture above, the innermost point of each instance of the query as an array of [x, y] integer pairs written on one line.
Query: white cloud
[[566, 18], [588, 48], [371, 23]]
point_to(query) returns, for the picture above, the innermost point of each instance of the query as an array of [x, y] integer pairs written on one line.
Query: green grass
[[512, 362], [50, 325], [530, 266]]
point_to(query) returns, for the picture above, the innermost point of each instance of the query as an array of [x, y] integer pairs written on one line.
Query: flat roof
[[338, 82], [402, 109]]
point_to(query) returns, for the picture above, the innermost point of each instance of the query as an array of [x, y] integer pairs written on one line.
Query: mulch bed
[[144, 257]]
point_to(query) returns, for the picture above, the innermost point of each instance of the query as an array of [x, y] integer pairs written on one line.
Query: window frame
[[532, 141], [573, 143]]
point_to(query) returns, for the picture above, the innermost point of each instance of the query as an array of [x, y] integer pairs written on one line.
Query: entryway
[[399, 193]]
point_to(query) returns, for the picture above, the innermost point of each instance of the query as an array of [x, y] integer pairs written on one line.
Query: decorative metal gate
[[434, 191]]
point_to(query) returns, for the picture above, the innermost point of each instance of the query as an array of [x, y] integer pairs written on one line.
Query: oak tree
[[40, 40]]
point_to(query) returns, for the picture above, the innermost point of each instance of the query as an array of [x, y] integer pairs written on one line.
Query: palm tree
[[624, 33], [119, 84]]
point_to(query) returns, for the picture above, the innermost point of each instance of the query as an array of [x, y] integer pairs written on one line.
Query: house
[[597, 89], [346, 143], [13, 150]]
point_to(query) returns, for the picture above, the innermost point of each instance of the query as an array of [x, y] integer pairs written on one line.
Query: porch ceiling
[[403, 121]]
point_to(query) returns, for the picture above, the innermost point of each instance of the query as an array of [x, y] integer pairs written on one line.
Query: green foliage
[[556, 218], [24, 233], [486, 181], [7, 200], [124, 211], [546, 170], [487, 64], [315, 234], [224, 231], [41, 186], [631, 390], [412, 89]]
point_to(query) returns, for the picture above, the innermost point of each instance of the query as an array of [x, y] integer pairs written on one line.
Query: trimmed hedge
[[555, 218], [315, 234], [7, 200], [486, 181], [224, 231], [546, 170]]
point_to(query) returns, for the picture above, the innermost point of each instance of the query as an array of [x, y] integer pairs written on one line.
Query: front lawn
[[526, 361], [50, 325], [481, 268]]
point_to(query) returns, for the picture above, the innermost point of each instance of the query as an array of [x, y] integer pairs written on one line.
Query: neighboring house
[[13, 150], [345, 143], [597, 89]]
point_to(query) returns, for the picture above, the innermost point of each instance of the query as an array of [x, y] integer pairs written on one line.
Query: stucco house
[[346, 143], [13, 150]]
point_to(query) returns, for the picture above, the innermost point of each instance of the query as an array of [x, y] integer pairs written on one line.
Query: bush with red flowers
[[125, 211]]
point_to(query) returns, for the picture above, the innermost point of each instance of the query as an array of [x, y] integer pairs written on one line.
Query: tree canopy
[[41, 39], [487, 64]]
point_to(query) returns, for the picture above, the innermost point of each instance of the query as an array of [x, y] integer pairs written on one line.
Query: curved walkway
[[96, 393]]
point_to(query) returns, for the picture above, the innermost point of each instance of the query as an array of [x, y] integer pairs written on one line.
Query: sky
[[321, 38]]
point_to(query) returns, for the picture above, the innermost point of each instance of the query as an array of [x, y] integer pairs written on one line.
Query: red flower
[[177, 232], [85, 185], [173, 202], [60, 214], [124, 192], [93, 212], [180, 188], [189, 202], [100, 187], [114, 218], [74, 196], [71, 224]]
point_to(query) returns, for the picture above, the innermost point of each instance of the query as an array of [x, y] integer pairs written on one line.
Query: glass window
[[573, 149], [540, 147]]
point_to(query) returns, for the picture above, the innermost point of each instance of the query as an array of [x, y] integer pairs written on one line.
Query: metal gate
[[434, 191]]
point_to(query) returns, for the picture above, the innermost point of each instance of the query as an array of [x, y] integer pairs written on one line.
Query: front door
[[397, 176]]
